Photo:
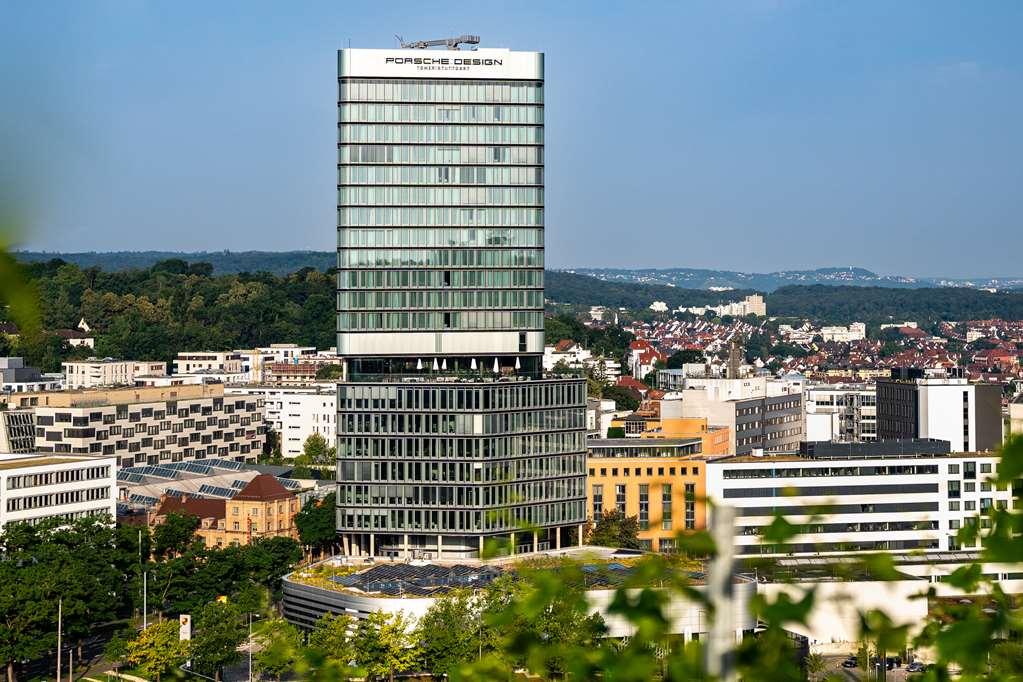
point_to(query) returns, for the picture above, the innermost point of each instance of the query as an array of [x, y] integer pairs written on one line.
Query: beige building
[[228, 362], [17, 432], [1016, 415], [108, 372], [262, 509], [148, 425]]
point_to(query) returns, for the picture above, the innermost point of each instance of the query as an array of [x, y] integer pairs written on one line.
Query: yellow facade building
[[660, 481]]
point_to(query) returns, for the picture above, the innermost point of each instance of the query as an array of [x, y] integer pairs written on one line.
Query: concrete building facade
[[296, 413], [34, 489], [96, 372], [148, 425], [841, 412]]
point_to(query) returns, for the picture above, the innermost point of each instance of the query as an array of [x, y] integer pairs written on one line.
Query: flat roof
[[649, 442], [29, 461], [795, 457]]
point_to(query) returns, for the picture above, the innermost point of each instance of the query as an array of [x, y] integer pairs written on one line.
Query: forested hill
[[223, 262]]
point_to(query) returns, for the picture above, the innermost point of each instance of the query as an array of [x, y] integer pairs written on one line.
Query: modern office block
[[448, 431]]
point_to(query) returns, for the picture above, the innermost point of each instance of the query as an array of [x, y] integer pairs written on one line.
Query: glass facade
[[447, 432]]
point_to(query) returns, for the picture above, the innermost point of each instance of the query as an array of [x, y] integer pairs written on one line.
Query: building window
[[598, 502], [690, 491], [644, 507], [666, 506], [620, 498]]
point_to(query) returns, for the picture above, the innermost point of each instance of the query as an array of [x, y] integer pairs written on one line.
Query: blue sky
[[752, 134]]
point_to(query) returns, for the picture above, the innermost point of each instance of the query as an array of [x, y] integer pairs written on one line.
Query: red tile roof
[[196, 506], [263, 488]]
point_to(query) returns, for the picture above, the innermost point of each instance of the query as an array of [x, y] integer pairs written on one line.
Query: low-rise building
[[264, 508], [148, 425], [39, 488], [229, 362], [17, 377], [659, 481], [841, 412], [96, 372], [853, 499], [256, 361], [1016, 415], [295, 413]]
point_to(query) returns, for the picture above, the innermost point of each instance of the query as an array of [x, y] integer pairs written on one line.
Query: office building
[[841, 412], [296, 413], [760, 413], [853, 499], [35, 489], [96, 372], [662, 482], [148, 425], [932, 404], [256, 361], [448, 432]]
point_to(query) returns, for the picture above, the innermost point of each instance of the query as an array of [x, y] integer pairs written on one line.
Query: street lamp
[[250, 642]]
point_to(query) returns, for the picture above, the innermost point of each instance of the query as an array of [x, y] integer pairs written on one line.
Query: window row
[[57, 477], [350, 112], [511, 217], [465, 320], [439, 258], [481, 448], [420, 300], [438, 134], [439, 175], [453, 237], [436, 279], [439, 196], [826, 471], [419, 154], [56, 499], [529, 92], [514, 518], [465, 471], [499, 397]]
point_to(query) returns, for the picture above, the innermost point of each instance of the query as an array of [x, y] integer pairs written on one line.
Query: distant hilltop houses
[[751, 305]]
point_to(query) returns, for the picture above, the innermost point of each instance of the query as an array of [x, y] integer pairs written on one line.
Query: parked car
[[850, 662], [915, 667]]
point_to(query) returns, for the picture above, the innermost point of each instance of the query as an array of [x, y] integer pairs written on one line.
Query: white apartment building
[[229, 362], [855, 503], [36, 488], [574, 356], [857, 331], [108, 372], [256, 361], [148, 425], [599, 415], [296, 413], [751, 305], [841, 412]]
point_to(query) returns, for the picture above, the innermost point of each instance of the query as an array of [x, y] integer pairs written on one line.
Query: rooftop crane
[[450, 43]]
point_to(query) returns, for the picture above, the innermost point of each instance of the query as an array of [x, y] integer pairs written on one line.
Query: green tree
[[116, 650], [328, 372], [450, 633], [330, 638], [815, 666], [175, 534], [268, 560], [384, 645], [281, 646], [219, 630], [317, 451], [317, 522], [685, 357], [157, 650], [615, 529]]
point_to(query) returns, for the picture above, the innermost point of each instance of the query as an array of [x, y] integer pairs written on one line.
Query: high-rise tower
[[448, 433]]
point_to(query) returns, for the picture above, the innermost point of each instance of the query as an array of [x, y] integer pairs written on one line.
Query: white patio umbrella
[[472, 365], [497, 367], [444, 363], [518, 365], [419, 363], [435, 366]]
